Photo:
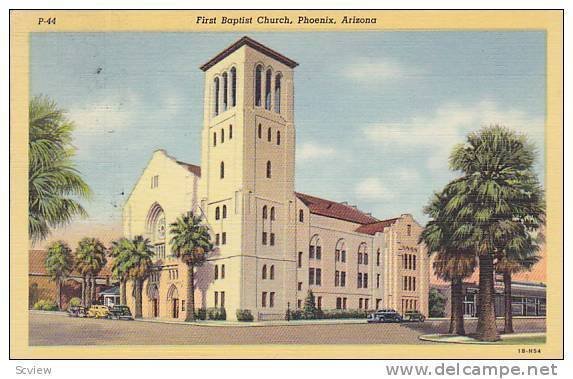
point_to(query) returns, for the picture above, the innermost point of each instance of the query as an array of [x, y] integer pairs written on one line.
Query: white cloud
[[372, 188], [310, 150], [448, 125], [378, 70]]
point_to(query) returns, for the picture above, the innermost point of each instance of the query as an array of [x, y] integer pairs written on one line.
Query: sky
[[376, 113]]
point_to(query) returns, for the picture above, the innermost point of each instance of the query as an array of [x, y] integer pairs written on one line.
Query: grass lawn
[[506, 339]]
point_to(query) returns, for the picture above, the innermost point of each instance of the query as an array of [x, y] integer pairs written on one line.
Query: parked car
[[77, 311], [414, 316], [120, 312], [384, 315], [98, 311]]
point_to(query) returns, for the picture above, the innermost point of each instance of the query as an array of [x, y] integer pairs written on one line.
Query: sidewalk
[[256, 323]]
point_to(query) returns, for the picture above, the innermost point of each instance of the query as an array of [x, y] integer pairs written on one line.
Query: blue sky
[[377, 113]]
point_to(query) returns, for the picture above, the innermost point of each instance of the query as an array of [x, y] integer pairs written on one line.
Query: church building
[[272, 244]]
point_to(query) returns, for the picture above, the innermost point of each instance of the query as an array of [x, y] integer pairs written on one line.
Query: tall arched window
[[260, 131], [278, 79], [258, 84], [233, 86], [224, 211], [301, 215], [315, 248], [222, 135], [214, 139], [230, 131], [269, 134], [362, 254], [272, 272], [222, 170], [268, 89], [278, 137], [216, 96], [217, 213], [264, 212], [272, 213], [269, 169], [264, 271], [340, 251], [225, 91]]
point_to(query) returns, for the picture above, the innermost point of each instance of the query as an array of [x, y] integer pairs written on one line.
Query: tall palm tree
[[59, 265], [55, 186], [191, 242], [139, 266], [90, 259], [452, 263], [497, 185], [121, 251]]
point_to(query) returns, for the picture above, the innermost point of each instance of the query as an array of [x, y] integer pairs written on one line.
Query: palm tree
[[497, 185], [121, 251], [54, 184], [90, 259], [452, 263], [191, 242], [138, 268], [59, 265]]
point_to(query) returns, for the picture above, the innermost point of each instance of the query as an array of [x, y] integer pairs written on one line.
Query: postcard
[[286, 184]]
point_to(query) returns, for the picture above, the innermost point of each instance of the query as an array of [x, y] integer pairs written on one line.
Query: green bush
[[216, 314], [326, 314], [244, 315], [437, 303], [201, 314], [75, 302], [46, 305]]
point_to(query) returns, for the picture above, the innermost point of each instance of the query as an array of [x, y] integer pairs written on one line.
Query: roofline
[[252, 44]]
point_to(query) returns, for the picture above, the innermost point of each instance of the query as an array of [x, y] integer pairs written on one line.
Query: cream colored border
[[24, 22]]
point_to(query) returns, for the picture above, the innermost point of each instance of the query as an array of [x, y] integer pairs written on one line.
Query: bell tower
[[247, 178]]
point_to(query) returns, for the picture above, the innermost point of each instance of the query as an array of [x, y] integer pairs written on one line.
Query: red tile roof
[[336, 210], [37, 264], [376, 227], [253, 44], [191, 168]]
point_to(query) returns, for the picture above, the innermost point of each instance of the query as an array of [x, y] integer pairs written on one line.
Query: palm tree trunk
[[94, 288], [122, 290], [59, 293], [84, 291], [486, 326], [190, 316], [457, 321], [138, 300], [508, 314]]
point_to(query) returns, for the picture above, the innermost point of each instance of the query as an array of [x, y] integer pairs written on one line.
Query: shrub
[[437, 303], [216, 314], [201, 314], [75, 302], [344, 313], [244, 315], [46, 305]]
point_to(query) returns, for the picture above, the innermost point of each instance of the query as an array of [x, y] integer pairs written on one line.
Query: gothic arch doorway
[[173, 301], [153, 294]]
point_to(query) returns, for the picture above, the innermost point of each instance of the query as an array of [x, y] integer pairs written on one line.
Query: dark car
[[77, 311], [384, 315], [414, 316], [120, 312]]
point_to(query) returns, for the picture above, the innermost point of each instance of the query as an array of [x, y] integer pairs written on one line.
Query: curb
[[464, 340], [239, 324], [54, 313]]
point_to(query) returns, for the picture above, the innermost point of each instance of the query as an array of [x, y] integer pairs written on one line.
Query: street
[[47, 329]]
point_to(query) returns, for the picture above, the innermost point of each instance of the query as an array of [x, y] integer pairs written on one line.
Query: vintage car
[[98, 311], [120, 312], [414, 316], [77, 311], [384, 315]]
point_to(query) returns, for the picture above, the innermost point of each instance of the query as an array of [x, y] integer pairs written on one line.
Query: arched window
[[225, 91], [230, 131], [216, 96], [340, 251], [264, 212], [315, 248], [216, 272], [222, 135], [272, 272], [233, 87], [269, 169], [278, 93], [258, 84], [222, 170], [224, 211], [378, 257], [272, 213], [215, 139], [365, 258], [278, 137], [269, 137], [260, 131], [264, 271], [362, 254], [268, 89], [301, 215], [217, 213]]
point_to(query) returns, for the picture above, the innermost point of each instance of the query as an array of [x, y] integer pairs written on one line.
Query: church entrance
[[173, 301], [153, 293], [175, 308]]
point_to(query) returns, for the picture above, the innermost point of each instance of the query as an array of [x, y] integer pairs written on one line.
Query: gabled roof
[[334, 209], [254, 45], [191, 168], [376, 227]]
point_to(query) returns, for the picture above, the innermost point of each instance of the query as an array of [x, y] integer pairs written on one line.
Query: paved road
[[46, 329]]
